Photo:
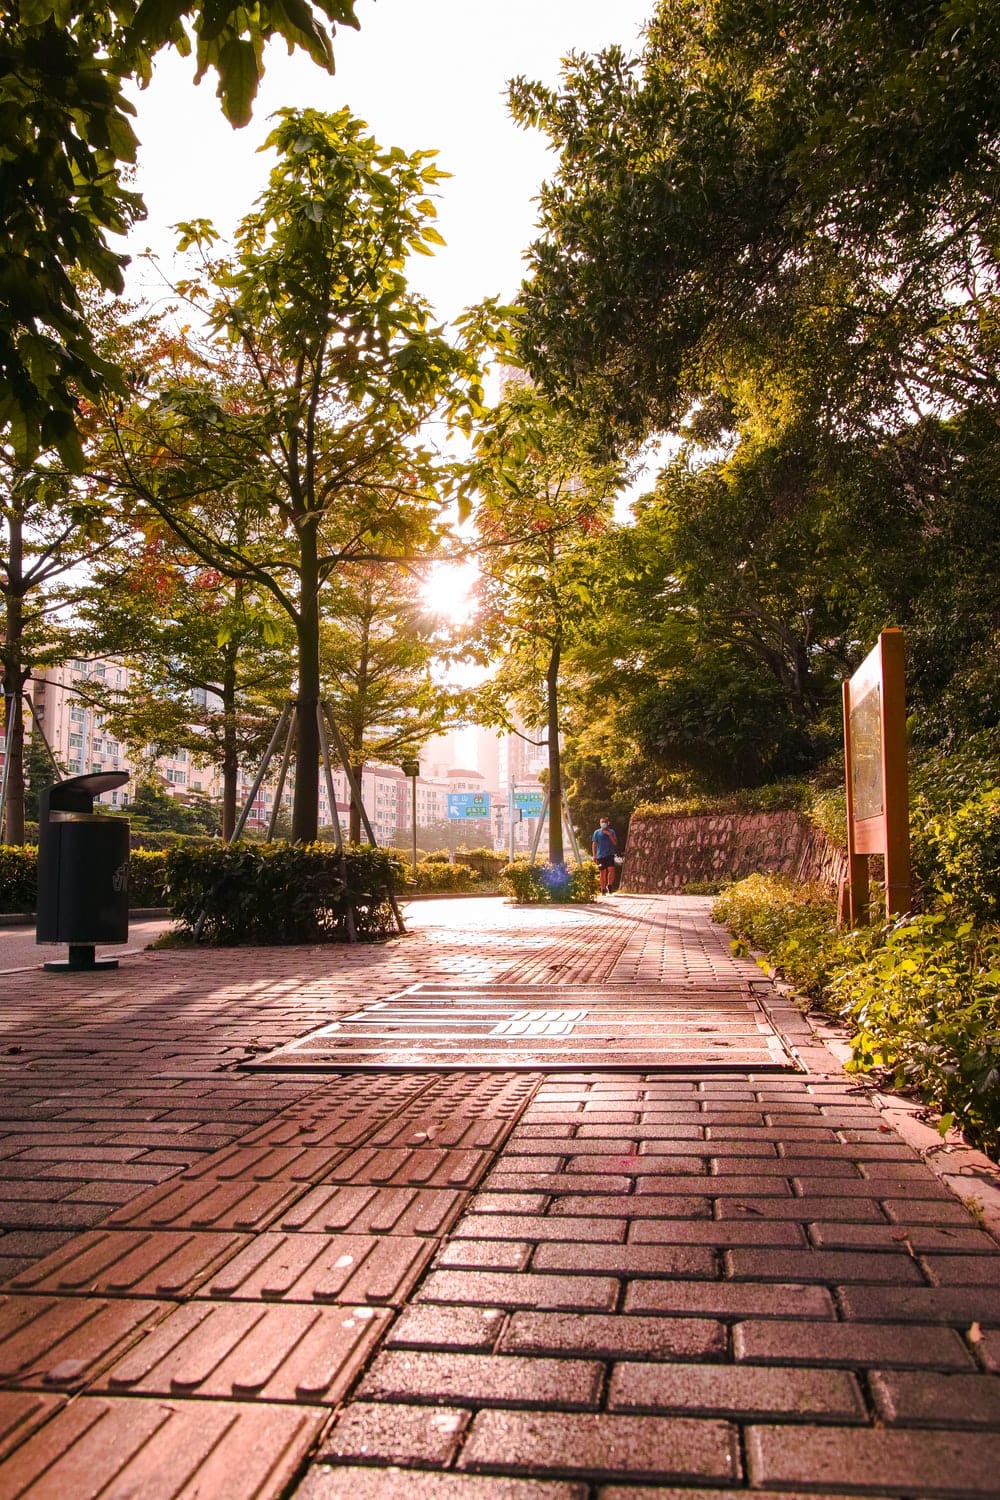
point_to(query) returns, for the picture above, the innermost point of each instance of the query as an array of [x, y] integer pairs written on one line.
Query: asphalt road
[[18, 949]]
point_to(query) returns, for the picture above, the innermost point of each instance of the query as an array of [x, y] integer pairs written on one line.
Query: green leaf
[[239, 78]]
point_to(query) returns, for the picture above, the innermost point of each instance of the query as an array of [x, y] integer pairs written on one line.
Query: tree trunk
[[354, 822], [356, 744], [14, 678], [556, 852], [305, 809], [230, 752]]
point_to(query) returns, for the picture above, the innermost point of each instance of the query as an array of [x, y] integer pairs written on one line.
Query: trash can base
[[81, 960]]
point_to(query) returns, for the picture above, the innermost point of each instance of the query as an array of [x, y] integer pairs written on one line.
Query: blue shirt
[[606, 845]]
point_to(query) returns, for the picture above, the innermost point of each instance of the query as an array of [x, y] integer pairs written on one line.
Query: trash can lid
[[65, 796]]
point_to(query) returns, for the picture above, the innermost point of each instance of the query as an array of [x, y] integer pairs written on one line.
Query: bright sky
[[427, 75]]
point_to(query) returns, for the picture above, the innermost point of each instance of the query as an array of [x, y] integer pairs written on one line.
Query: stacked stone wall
[[666, 853]]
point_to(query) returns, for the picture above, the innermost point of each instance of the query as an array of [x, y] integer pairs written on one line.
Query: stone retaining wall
[[665, 853]]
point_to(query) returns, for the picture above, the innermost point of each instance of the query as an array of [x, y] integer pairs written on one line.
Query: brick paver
[[468, 1285]]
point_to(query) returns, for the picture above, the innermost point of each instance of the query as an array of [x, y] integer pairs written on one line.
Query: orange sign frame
[[878, 804]]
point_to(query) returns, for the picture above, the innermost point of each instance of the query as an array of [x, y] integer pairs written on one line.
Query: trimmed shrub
[[531, 884], [147, 875], [281, 893], [18, 878], [431, 875], [159, 839]]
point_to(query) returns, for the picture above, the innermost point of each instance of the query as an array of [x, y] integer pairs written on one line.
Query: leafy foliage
[[814, 190], [922, 994], [438, 876], [545, 508], [549, 884], [777, 796], [68, 147], [147, 875], [311, 395], [18, 878], [272, 894], [926, 1005]]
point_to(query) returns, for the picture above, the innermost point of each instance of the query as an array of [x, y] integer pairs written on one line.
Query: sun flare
[[448, 591]]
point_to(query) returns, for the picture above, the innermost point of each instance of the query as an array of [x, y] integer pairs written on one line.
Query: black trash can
[[82, 870]]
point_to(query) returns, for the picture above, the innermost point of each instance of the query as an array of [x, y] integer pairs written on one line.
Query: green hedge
[[431, 875], [147, 875], [531, 884], [18, 878], [282, 893]]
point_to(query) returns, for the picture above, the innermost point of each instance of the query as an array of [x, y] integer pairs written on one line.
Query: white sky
[[424, 74]]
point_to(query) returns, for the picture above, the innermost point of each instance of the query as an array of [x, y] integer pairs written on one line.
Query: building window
[[76, 741], [77, 715]]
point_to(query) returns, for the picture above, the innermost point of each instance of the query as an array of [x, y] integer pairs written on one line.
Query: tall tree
[[545, 508], [53, 527], [778, 179], [211, 657], [313, 391], [68, 147], [377, 643]]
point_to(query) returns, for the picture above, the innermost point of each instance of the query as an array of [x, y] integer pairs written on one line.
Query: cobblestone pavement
[[493, 1283]]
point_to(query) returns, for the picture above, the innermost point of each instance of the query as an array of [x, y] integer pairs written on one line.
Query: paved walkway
[[231, 1283]]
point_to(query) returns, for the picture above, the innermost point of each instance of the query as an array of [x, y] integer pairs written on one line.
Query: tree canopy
[[68, 145], [771, 184], [311, 394]]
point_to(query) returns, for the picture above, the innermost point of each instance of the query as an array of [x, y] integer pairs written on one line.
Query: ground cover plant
[[921, 993]]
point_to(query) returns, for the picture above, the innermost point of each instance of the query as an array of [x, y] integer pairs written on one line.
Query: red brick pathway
[[613, 1285]]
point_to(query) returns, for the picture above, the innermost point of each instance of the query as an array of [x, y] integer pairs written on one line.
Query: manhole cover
[[544, 1027]]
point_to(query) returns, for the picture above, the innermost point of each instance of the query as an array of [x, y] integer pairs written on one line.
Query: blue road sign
[[529, 803], [468, 804]]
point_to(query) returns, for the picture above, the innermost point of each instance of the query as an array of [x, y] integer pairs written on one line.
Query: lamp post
[[411, 768]]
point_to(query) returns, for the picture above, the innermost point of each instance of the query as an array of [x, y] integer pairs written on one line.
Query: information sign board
[[875, 762], [529, 803], [468, 804]]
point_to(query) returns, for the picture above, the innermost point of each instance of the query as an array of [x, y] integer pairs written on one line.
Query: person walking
[[604, 847]]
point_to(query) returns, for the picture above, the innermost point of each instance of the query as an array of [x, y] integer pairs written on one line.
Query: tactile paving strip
[[130, 1263], [304, 1267], [246, 1350], [552, 1027], [59, 1342], [97, 1445], [373, 1210]]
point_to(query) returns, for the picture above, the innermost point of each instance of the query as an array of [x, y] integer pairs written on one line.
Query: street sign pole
[[411, 768]]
